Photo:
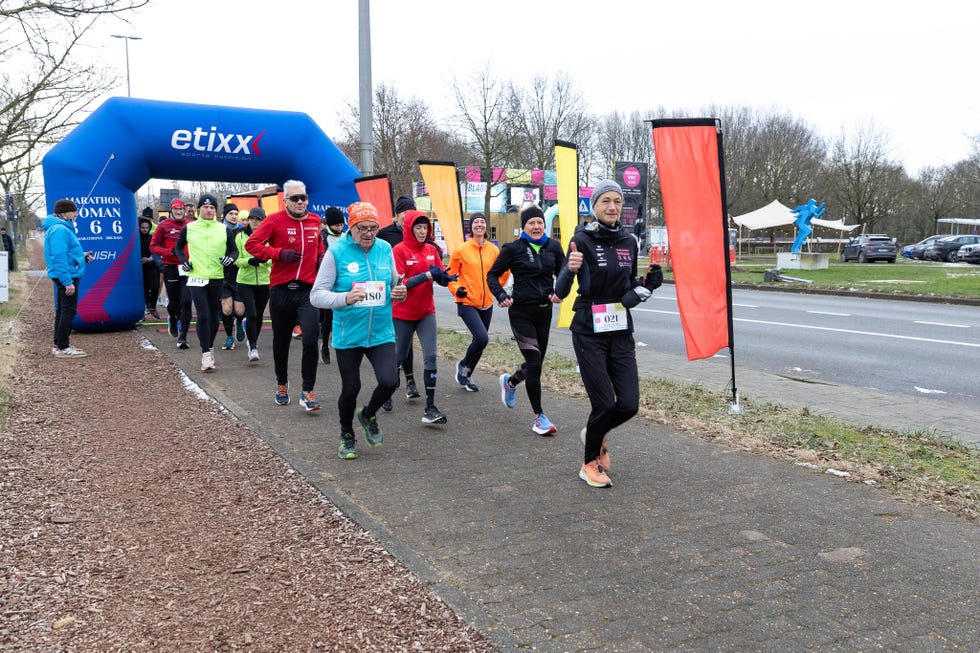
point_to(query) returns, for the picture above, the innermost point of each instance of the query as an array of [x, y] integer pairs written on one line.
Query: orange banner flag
[[689, 164], [377, 190]]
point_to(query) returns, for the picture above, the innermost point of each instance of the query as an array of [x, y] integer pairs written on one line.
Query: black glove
[[254, 261], [289, 255], [633, 298], [461, 292], [440, 276], [654, 278], [226, 261], [186, 266]]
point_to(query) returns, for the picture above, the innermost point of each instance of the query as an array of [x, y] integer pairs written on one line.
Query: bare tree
[[865, 185], [404, 132], [48, 99], [548, 109], [482, 103]]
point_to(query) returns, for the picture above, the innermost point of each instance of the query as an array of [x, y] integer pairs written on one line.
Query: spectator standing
[[534, 260], [603, 256], [151, 274], [210, 250], [291, 240], [65, 260], [419, 263], [8, 246], [253, 283], [164, 243], [358, 281], [471, 262]]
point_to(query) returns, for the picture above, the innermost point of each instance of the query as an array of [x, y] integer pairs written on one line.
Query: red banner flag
[[689, 163], [377, 191]]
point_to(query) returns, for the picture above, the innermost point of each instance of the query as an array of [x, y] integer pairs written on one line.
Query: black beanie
[[148, 213], [333, 215], [230, 206], [404, 203], [64, 206], [533, 211]]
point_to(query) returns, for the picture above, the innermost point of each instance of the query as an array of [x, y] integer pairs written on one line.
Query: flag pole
[[735, 408]]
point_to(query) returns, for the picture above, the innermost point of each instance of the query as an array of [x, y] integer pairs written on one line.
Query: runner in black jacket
[[534, 260], [603, 256]]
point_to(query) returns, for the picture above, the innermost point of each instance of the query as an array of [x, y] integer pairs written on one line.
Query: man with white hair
[[291, 240]]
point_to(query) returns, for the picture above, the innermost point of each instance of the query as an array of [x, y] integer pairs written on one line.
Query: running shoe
[[372, 432], [182, 343], [543, 426], [282, 394], [253, 354], [470, 386], [297, 332], [172, 326], [433, 415], [593, 474], [462, 374], [308, 401], [69, 352], [154, 314], [207, 361], [229, 343], [347, 449], [325, 355], [411, 390], [387, 406], [508, 393], [240, 329], [603, 458]]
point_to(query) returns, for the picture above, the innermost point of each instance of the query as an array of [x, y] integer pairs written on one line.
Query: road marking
[[830, 313], [821, 328], [955, 326], [747, 305], [864, 333], [928, 391]]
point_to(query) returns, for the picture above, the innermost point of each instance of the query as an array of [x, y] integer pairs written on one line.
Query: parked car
[[947, 249], [969, 254], [915, 251], [869, 248]]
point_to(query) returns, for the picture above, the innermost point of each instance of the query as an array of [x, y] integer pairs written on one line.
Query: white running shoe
[[207, 361], [253, 354]]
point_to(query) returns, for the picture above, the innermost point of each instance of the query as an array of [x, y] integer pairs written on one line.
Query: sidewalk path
[[697, 547]]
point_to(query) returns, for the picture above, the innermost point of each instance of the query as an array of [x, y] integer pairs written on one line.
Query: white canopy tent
[[777, 214]]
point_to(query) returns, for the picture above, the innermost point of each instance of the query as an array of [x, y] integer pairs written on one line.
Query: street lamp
[[126, 40]]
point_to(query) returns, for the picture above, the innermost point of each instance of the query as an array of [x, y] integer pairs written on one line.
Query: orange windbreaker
[[472, 262]]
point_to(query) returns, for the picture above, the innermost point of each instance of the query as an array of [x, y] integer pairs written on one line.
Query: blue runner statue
[[804, 214]]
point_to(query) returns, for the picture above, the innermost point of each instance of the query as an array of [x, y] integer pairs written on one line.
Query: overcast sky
[[903, 68]]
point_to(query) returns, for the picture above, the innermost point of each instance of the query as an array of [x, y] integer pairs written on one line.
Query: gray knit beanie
[[605, 186]]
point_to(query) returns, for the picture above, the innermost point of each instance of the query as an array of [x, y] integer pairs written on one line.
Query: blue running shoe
[[240, 331], [461, 376], [543, 426], [508, 393], [229, 343]]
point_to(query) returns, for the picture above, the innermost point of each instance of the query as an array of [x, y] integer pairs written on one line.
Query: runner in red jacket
[[178, 301], [291, 240]]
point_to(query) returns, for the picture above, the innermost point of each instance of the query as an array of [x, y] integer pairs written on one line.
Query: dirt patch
[[138, 517]]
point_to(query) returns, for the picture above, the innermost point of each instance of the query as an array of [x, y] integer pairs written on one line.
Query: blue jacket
[[344, 264], [63, 254]]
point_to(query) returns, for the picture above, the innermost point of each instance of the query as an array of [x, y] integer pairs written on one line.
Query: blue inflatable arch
[[126, 142]]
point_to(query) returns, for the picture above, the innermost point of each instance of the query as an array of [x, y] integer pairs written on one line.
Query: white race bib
[[374, 293], [196, 282], [609, 317]]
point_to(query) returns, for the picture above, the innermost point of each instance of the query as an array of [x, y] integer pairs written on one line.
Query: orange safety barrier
[[658, 254]]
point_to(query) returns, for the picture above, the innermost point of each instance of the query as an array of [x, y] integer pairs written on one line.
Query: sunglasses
[[297, 198]]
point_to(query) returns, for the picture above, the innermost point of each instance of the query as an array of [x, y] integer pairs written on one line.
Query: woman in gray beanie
[[602, 325]]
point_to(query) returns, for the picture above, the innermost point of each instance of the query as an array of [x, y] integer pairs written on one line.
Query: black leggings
[[207, 303], [478, 322], [178, 300], [289, 308], [255, 298], [382, 359], [151, 285], [65, 309], [607, 363], [531, 325]]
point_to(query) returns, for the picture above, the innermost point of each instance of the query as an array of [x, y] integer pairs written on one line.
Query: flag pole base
[[735, 408]]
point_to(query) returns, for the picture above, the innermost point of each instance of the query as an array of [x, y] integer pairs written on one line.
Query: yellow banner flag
[[566, 169], [443, 186]]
